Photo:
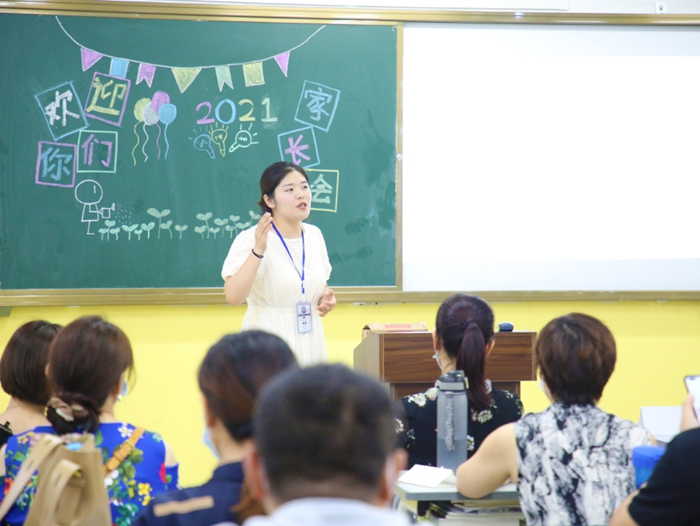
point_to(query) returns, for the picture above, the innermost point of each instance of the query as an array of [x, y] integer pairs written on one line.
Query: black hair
[[235, 370], [576, 355], [464, 326], [324, 431], [86, 361], [23, 363], [272, 177]]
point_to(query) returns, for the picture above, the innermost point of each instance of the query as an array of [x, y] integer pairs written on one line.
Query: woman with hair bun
[[89, 363], [233, 373], [462, 339]]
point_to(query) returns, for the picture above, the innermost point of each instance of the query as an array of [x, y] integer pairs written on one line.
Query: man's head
[[324, 431]]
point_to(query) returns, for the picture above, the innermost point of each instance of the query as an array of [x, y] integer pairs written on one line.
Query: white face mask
[[542, 385], [125, 389], [206, 439], [436, 357]]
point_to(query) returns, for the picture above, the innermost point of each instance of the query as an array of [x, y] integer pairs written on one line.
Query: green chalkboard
[[131, 149]]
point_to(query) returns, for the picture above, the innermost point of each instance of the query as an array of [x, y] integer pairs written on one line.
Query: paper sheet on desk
[[428, 476]]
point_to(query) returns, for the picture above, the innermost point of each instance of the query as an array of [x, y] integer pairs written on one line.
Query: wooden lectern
[[404, 360]]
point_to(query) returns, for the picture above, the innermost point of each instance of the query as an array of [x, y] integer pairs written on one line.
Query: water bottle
[[644, 460], [452, 421]]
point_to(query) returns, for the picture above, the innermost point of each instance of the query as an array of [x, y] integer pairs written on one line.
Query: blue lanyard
[[303, 256]]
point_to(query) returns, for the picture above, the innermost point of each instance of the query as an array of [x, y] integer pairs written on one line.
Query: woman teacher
[[281, 268]]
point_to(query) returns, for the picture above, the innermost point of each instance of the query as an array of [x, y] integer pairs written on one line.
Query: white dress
[[277, 288]]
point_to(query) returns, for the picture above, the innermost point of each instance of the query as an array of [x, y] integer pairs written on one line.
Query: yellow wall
[[658, 344]]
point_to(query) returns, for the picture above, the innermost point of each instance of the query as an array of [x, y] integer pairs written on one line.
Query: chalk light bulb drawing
[[243, 139], [203, 143], [218, 137]]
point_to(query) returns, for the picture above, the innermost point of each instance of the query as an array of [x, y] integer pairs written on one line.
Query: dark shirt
[[416, 422], [672, 495], [204, 505], [5, 433]]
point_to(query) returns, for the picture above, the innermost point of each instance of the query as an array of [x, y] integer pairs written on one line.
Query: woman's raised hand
[[261, 231]]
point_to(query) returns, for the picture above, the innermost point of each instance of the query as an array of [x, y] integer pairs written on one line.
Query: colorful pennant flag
[[118, 68], [283, 61], [253, 74], [223, 76], [185, 76], [89, 58], [146, 72]]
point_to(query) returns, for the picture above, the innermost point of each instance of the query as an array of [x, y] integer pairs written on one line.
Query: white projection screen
[[551, 158]]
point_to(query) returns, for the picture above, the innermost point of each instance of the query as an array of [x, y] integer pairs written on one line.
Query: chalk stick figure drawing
[[89, 193], [243, 139]]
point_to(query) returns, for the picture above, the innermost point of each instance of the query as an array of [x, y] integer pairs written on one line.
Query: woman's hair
[[23, 363], [576, 356], [235, 370], [464, 327], [86, 361], [272, 177], [232, 374]]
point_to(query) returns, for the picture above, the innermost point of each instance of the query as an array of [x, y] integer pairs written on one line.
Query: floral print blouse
[[130, 487], [416, 422]]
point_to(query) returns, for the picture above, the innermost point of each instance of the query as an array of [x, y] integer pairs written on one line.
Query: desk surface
[[449, 492]]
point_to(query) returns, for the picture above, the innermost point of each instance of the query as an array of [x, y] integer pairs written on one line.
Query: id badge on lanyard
[[304, 317], [303, 310]]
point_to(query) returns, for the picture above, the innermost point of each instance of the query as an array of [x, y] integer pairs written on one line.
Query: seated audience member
[[463, 338], [572, 462], [232, 374], [23, 377], [672, 495], [324, 454], [89, 361]]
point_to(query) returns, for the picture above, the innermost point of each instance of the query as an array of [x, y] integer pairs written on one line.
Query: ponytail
[[472, 360], [464, 326]]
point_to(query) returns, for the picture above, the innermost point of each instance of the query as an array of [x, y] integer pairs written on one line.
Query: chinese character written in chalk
[[321, 191], [98, 151], [107, 98], [58, 109], [324, 189], [62, 110], [55, 164], [317, 105]]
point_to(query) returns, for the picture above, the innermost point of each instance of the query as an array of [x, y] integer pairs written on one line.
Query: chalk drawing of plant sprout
[[205, 217], [160, 215], [115, 231], [109, 224], [215, 230], [201, 230], [181, 229], [138, 232], [233, 221], [104, 231], [166, 226], [253, 216], [148, 227], [220, 223], [129, 229], [230, 228]]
